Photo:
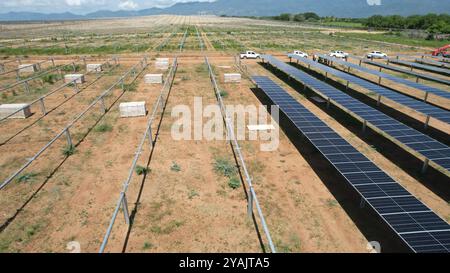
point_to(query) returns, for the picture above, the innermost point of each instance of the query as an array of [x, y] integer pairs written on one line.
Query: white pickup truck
[[338, 54], [300, 54], [250, 55], [376, 55]]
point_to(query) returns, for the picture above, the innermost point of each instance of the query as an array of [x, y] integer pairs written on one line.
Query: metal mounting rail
[[184, 39], [41, 99], [66, 131], [25, 81], [200, 40], [38, 64], [235, 145], [122, 201]]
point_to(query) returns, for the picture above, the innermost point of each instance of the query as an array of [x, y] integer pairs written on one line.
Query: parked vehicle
[[300, 54], [338, 54], [250, 55], [376, 55], [442, 51]]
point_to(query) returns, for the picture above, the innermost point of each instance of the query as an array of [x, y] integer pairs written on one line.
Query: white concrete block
[[27, 68], [132, 109], [7, 109], [93, 67], [70, 77], [162, 65], [153, 78], [232, 77]]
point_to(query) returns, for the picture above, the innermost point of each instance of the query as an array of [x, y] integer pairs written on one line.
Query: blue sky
[[83, 6]]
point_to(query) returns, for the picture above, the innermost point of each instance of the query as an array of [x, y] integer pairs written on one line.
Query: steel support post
[[125, 209], [69, 138], [41, 102]]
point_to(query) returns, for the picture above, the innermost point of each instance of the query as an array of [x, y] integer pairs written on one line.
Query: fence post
[[150, 136], [75, 86], [27, 87], [69, 138], [250, 202], [102, 102], [427, 121], [125, 209], [44, 112]]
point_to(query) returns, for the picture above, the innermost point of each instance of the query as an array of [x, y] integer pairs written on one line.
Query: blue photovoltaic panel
[[432, 62], [419, 106], [419, 86], [422, 144], [442, 71], [417, 225], [405, 71]]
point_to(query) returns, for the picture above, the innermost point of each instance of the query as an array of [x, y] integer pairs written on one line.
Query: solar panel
[[419, 106], [442, 71], [414, 140], [419, 86], [409, 72], [432, 62], [417, 225]]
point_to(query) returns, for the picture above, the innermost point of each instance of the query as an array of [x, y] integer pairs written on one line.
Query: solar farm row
[[416, 105], [409, 72], [416, 224], [438, 70], [422, 144], [432, 62], [425, 88]]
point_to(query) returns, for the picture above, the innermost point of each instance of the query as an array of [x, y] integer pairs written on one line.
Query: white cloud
[[128, 4], [84, 6]]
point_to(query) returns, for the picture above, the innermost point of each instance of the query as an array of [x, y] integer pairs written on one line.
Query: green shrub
[[234, 183], [140, 170], [104, 127], [223, 94], [50, 78], [26, 177], [130, 87], [175, 167], [68, 150], [224, 167]]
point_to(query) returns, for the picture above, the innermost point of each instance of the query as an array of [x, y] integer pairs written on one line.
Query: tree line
[[433, 23]]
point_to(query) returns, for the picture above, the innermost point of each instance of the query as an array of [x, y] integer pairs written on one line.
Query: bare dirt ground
[[184, 204]]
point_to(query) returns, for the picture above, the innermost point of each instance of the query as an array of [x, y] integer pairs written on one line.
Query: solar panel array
[[438, 70], [424, 145], [409, 72], [417, 225], [419, 86], [414, 104], [432, 62]]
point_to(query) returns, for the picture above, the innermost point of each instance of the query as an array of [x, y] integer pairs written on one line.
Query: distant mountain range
[[338, 8]]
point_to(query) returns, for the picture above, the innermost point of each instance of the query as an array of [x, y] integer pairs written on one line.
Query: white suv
[[376, 55], [300, 54], [338, 54]]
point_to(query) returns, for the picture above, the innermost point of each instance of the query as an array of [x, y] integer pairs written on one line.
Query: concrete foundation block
[[232, 77], [70, 77], [7, 109], [153, 78], [93, 67], [132, 109]]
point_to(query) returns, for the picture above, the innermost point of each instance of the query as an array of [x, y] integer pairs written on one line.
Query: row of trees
[[433, 23]]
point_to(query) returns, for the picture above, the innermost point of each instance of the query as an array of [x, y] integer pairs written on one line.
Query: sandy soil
[[183, 204]]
